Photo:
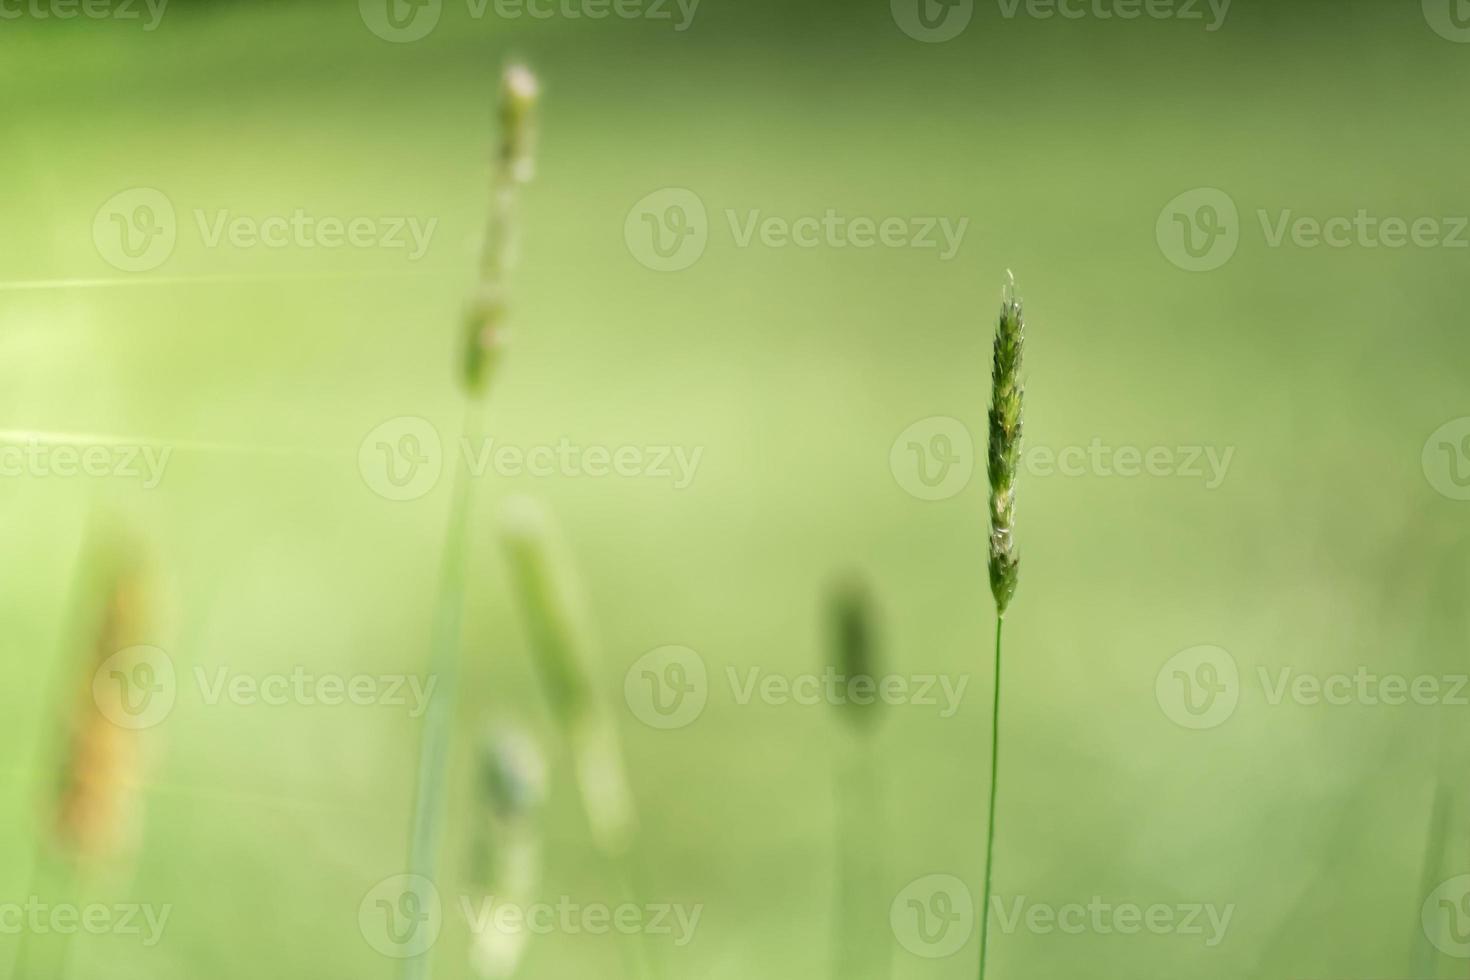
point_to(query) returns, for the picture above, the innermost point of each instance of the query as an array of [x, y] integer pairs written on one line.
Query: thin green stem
[[444, 658], [636, 958], [859, 950], [994, 788]]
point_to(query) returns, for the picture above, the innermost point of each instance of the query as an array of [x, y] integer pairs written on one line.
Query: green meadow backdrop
[[1304, 511]]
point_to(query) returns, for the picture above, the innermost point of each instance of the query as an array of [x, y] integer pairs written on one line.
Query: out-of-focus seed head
[[852, 616]]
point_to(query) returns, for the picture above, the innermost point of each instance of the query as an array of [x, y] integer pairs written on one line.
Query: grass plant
[[484, 342], [1005, 563]]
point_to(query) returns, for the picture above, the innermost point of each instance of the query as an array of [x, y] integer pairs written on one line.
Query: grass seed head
[[515, 165], [512, 774], [851, 614], [97, 814], [1005, 447], [563, 653]]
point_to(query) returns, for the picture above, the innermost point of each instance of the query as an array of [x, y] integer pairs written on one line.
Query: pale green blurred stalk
[[505, 864], [483, 342], [93, 810], [565, 660]]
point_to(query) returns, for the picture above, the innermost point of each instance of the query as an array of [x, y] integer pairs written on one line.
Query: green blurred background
[[1326, 547]]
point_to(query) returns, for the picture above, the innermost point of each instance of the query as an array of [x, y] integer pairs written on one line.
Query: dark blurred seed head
[[853, 635], [512, 774]]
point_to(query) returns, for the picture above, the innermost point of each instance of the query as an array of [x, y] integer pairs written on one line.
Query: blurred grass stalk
[[484, 343], [859, 931], [1005, 565], [506, 856], [95, 816], [1446, 843], [564, 656]]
